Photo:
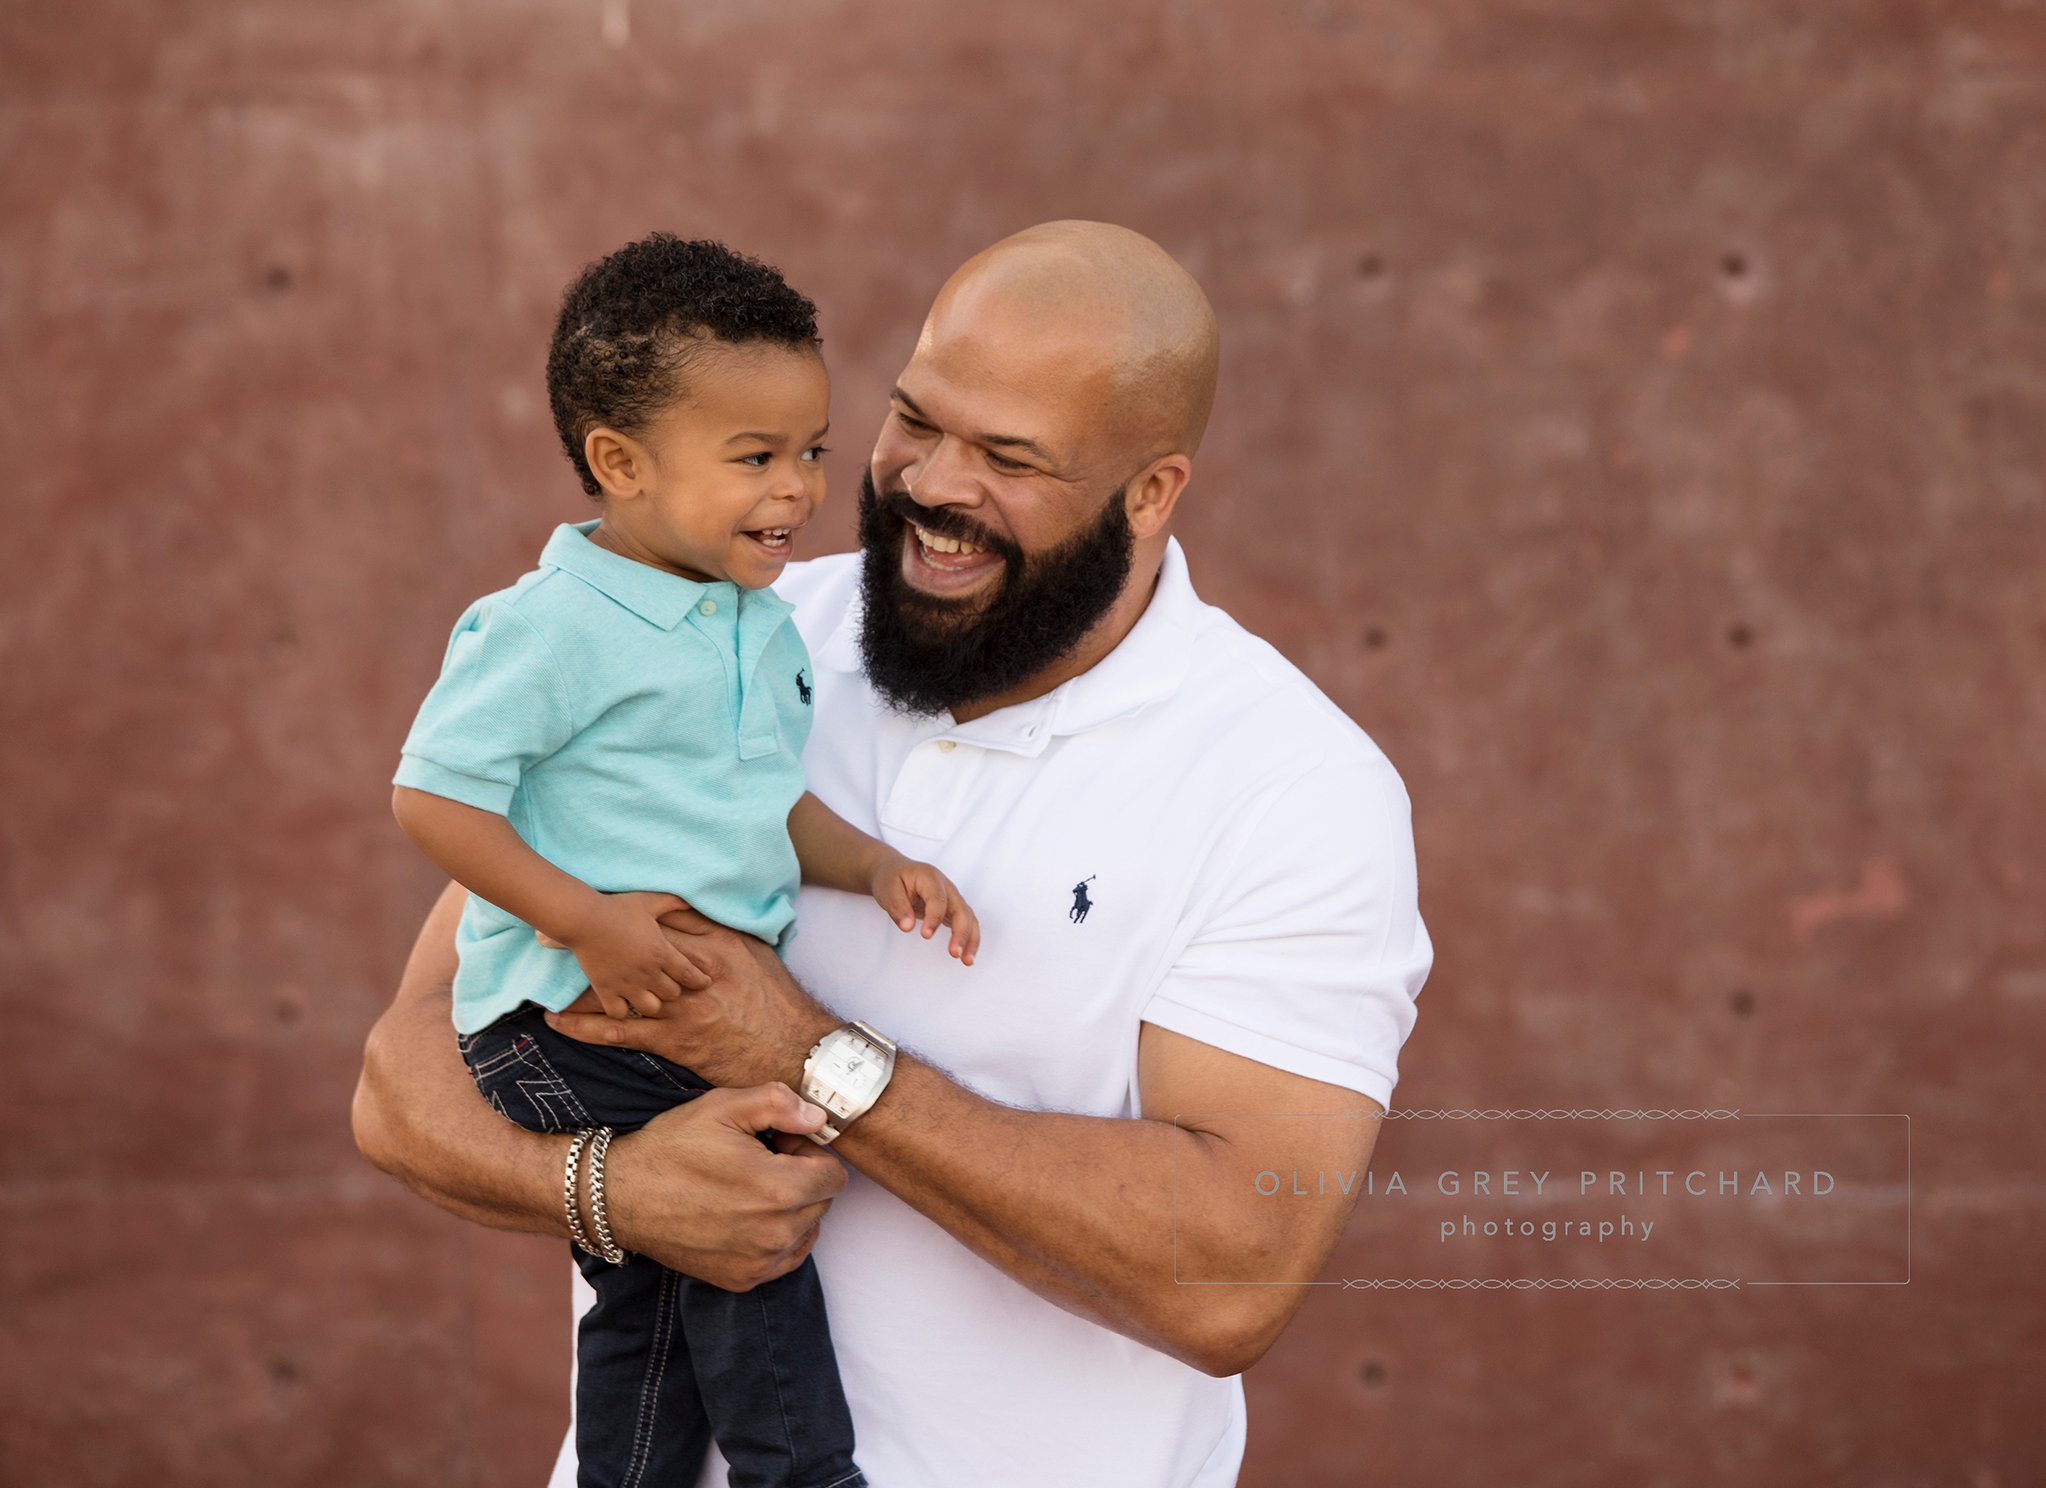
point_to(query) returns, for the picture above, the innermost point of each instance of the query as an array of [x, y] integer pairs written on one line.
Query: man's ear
[[1154, 491], [620, 463]]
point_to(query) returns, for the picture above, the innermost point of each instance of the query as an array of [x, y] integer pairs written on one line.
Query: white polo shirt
[[1189, 834]]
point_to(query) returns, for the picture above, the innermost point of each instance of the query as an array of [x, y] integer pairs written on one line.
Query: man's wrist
[[623, 1187], [818, 1022], [848, 1075], [543, 1198]]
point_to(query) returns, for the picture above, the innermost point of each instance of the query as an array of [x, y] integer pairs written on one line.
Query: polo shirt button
[[708, 607], [948, 745]]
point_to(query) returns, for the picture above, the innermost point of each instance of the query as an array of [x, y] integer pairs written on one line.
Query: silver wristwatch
[[845, 1074]]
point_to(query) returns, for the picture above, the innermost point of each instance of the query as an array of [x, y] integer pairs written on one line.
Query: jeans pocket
[[521, 1083]]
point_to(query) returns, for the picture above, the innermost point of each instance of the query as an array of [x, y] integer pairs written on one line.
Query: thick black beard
[[927, 655]]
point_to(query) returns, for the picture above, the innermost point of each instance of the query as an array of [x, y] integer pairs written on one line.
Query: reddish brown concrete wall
[[1634, 414]]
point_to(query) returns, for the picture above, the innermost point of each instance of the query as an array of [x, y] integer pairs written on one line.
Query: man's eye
[[1003, 462], [915, 426]]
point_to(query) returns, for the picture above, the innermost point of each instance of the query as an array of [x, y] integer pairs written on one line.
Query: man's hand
[[748, 1024], [633, 968], [696, 1190]]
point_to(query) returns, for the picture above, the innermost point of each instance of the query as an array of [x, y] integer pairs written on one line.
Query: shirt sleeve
[[1307, 950], [501, 705]]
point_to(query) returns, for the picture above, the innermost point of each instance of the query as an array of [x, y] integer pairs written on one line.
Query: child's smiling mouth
[[776, 541]]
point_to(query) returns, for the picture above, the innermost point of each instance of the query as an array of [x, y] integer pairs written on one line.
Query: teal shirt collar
[[662, 599]]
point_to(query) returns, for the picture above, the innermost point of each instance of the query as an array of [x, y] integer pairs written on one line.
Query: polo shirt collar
[[1146, 666], [662, 599]]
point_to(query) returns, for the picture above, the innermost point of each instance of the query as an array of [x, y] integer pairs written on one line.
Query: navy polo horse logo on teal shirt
[[802, 688]]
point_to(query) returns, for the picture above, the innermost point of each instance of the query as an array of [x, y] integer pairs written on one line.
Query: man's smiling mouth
[[938, 543], [934, 556]]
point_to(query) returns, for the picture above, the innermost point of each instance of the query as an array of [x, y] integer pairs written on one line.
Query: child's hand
[[632, 968], [914, 893]]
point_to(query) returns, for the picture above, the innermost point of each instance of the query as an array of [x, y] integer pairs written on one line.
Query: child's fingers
[[687, 975], [649, 1001], [654, 905], [937, 905], [895, 899], [965, 935]]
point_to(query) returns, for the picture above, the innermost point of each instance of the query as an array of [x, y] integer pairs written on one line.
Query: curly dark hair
[[632, 322]]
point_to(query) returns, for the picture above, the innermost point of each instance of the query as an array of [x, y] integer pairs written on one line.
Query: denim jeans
[[664, 1361]]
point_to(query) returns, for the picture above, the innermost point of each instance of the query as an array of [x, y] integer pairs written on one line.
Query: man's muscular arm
[[1108, 1218], [694, 1188], [1113, 1218]]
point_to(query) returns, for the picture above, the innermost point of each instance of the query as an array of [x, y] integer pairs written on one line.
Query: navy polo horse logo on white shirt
[[1081, 903]]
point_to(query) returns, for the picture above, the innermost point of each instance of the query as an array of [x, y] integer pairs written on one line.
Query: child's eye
[[816, 452], [758, 462]]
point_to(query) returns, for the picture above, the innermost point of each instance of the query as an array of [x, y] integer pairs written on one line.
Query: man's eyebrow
[[1000, 441]]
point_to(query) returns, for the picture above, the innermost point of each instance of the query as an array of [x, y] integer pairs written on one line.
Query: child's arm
[[835, 854], [616, 938]]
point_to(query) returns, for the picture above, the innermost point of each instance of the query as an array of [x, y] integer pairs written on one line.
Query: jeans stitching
[[665, 1309], [541, 1096], [654, 1067], [774, 1360], [491, 1064], [575, 1105]]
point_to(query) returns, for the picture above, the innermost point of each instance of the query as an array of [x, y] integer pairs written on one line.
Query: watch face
[[851, 1067]]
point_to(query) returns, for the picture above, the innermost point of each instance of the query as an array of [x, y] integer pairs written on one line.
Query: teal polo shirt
[[639, 730]]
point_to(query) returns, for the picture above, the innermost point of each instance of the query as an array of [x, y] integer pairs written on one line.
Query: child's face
[[731, 466]]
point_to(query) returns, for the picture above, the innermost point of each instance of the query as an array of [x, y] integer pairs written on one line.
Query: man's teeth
[[938, 544]]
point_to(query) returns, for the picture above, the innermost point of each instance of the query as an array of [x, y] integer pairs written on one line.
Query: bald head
[[1132, 329], [1019, 502]]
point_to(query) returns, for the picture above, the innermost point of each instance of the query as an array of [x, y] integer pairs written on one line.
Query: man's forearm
[[1078, 1208], [1103, 1216], [419, 1118]]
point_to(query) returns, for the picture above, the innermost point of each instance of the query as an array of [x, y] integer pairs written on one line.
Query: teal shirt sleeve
[[501, 706]]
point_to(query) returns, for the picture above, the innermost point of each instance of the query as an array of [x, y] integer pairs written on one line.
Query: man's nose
[[941, 475]]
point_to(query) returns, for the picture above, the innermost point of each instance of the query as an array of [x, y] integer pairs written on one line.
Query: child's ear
[[618, 461]]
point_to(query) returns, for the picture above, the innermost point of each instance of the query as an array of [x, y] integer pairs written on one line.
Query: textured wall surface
[[1634, 414]]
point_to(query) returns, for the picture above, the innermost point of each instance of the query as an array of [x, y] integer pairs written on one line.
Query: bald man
[[1111, 1156]]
